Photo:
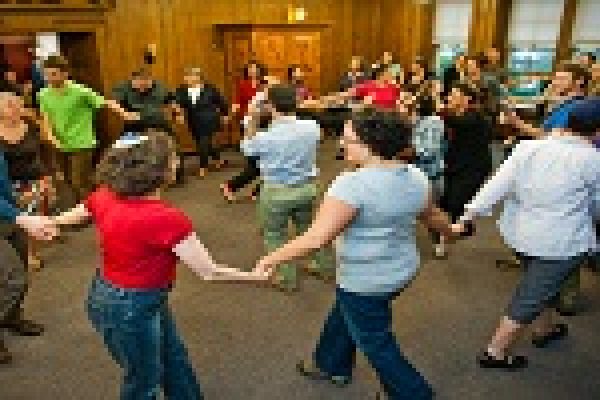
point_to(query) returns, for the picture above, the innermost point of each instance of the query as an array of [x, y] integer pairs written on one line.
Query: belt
[[284, 185]]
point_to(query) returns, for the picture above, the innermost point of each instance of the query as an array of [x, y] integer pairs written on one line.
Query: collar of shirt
[[284, 120], [570, 139]]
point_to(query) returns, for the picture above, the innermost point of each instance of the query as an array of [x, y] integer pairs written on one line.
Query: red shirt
[[384, 95], [137, 237], [244, 94]]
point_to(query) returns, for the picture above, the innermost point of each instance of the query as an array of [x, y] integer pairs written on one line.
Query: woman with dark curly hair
[[376, 250], [141, 238]]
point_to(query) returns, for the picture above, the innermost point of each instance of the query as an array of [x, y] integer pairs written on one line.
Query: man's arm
[[496, 188], [116, 108], [47, 132]]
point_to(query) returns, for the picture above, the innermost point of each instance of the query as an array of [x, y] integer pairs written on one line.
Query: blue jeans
[[140, 334], [364, 321]]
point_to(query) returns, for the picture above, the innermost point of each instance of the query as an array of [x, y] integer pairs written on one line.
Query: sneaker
[[24, 328], [508, 362], [5, 356], [558, 332], [308, 370]]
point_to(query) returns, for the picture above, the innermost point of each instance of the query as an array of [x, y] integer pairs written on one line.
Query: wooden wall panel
[[407, 28], [565, 37], [183, 32], [489, 25]]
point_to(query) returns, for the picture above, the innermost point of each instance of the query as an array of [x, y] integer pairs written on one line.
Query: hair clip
[[129, 140]]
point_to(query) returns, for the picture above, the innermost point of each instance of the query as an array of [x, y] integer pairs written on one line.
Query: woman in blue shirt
[[376, 252]]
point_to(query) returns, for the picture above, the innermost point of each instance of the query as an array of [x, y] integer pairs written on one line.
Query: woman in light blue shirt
[[376, 252], [550, 188]]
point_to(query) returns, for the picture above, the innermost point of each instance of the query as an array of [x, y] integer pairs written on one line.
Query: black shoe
[[508, 362], [309, 371], [559, 331], [568, 311], [24, 328], [5, 356]]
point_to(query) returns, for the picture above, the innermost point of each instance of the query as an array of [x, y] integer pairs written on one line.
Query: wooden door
[[270, 49], [304, 49], [278, 49]]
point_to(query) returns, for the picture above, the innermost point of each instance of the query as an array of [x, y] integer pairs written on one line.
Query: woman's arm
[[75, 216], [333, 216], [435, 219], [193, 253]]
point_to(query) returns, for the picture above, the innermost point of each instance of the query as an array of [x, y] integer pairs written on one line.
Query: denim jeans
[[364, 322], [140, 334]]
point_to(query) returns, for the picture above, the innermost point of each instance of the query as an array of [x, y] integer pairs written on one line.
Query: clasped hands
[[263, 271], [38, 227]]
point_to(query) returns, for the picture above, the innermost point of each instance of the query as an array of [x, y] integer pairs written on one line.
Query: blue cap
[[587, 109]]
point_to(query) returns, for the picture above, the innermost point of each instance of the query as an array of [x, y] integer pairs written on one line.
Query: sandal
[[558, 332], [508, 362], [308, 370]]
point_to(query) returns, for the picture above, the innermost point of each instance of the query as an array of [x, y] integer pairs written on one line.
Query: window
[[534, 32], [452, 27], [586, 33]]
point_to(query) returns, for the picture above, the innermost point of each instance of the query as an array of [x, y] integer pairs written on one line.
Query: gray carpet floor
[[245, 340]]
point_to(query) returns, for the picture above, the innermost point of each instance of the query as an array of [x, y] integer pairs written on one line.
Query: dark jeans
[[249, 174], [13, 273], [364, 322], [140, 334], [207, 150]]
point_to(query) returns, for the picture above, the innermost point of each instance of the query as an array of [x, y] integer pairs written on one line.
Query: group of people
[[411, 142]]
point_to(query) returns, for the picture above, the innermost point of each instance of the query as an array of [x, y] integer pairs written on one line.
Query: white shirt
[[551, 192], [194, 93]]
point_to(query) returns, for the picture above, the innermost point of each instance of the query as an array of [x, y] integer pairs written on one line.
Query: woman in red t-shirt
[[384, 92], [141, 238]]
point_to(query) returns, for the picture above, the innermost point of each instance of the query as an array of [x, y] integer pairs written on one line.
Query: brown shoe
[[24, 328], [5, 356]]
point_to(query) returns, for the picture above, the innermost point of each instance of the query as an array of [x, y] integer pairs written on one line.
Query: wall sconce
[[296, 14]]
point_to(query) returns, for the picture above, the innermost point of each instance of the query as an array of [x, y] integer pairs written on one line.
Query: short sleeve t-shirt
[[137, 237], [287, 151], [71, 111], [377, 252], [384, 96]]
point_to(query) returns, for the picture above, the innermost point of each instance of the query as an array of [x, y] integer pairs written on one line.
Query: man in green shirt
[[68, 110]]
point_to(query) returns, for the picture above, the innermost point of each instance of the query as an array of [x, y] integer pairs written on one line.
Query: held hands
[[39, 227], [132, 116], [224, 273], [457, 229], [264, 268]]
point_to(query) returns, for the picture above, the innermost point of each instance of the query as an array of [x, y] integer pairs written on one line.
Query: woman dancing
[[376, 250], [141, 238]]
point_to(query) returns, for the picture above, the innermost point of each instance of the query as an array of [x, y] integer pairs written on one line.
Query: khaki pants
[[76, 168], [278, 205]]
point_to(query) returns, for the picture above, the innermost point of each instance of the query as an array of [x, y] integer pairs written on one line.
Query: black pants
[[14, 275], [247, 176], [207, 150]]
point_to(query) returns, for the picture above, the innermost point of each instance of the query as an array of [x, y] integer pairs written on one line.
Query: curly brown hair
[[139, 169], [385, 133]]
